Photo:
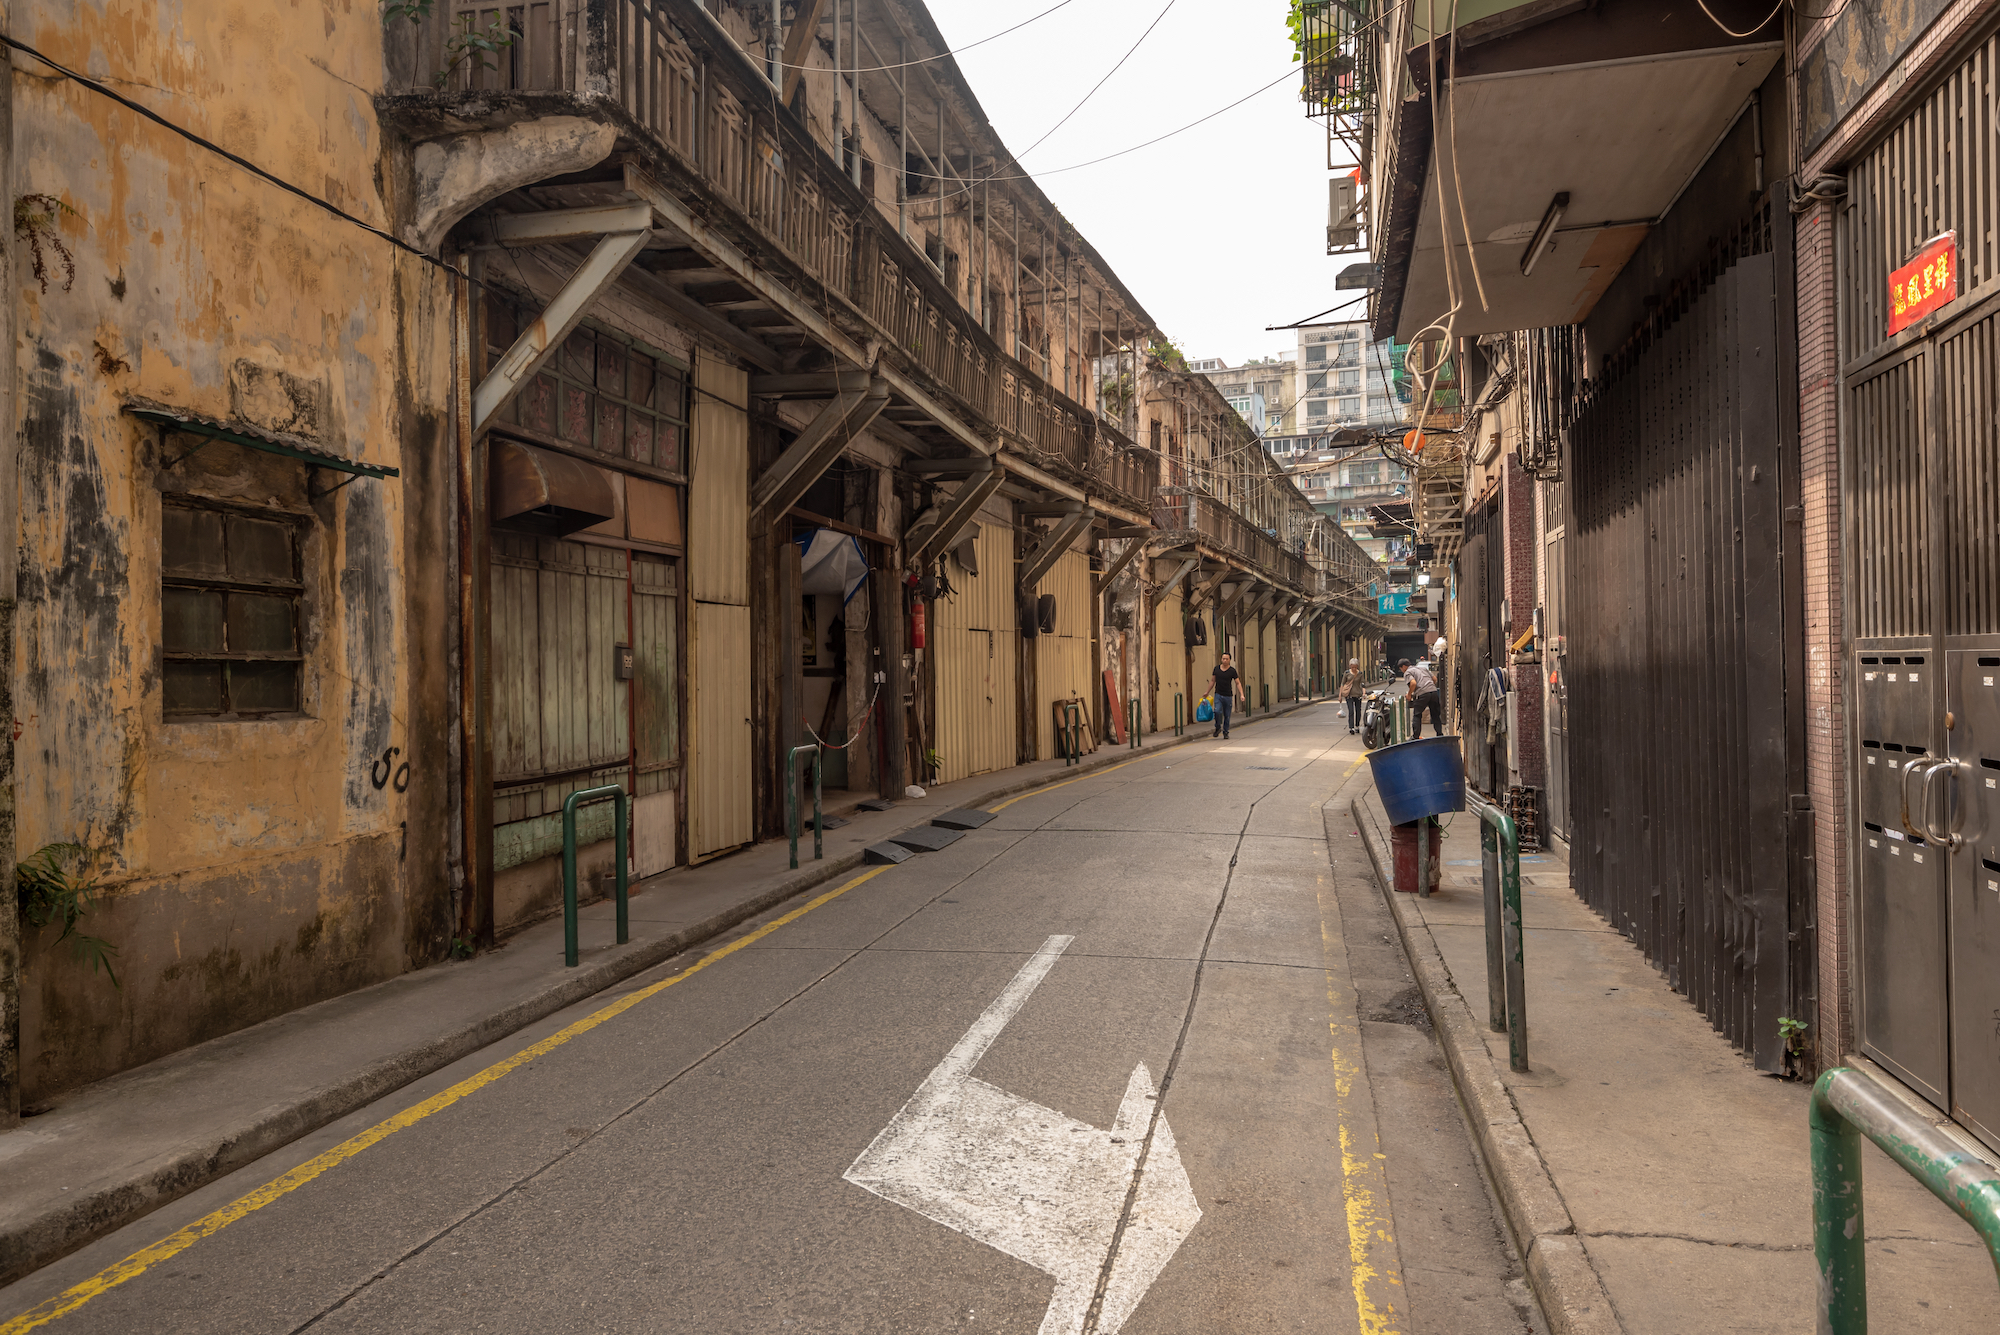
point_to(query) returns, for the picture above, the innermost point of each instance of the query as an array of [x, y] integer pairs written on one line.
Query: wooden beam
[[1111, 572], [1160, 594], [1049, 550], [798, 45]]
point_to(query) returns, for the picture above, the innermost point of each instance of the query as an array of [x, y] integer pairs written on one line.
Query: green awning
[[250, 437]]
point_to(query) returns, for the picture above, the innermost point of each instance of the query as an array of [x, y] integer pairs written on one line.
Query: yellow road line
[[147, 1257], [1034, 792], [1368, 1224]]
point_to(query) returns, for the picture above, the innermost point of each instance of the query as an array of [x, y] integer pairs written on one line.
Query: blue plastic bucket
[[1419, 778]]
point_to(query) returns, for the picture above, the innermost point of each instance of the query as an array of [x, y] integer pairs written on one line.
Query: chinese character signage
[[1396, 601], [1925, 283]]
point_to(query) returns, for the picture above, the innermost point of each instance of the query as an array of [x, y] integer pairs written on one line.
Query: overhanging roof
[[256, 438], [1621, 137]]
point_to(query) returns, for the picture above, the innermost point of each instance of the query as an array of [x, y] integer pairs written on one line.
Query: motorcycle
[[1375, 717]]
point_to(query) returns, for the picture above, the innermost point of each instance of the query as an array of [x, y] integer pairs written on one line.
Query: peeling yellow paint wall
[[254, 866]]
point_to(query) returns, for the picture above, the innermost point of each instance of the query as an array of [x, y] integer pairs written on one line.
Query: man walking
[[1350, 690], [1423, 696], [1225, 685]]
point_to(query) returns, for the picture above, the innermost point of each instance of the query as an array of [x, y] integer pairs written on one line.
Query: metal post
[[1496, 954], [620, 846], [1132, 722], [1847, 1105], [792, 801], [1180, 715], [1512, 964]]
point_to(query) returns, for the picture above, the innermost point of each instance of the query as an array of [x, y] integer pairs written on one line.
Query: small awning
[[251, 437], [539, 491]]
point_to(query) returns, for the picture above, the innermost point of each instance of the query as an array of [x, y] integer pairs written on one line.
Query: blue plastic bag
[[1204, 710]]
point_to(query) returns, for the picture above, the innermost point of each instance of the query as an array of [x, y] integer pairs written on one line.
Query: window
[[1316, 408], [1349, 379], [602, 393], [229, 613], [1315, 353], [1350, 407]]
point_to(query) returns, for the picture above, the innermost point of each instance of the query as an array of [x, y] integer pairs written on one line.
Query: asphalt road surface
[[1142, 1054]]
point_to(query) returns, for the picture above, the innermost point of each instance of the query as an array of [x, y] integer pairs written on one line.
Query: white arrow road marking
[[1026, 1180]]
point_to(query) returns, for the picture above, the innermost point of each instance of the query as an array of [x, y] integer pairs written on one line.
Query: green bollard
[[619, 848]]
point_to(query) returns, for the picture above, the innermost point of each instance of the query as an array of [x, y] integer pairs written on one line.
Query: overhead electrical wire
[[1750, 32], [942, 55], [1099, 84]]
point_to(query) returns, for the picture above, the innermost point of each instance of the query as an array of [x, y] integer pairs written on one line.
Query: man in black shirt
[[1225, 684]]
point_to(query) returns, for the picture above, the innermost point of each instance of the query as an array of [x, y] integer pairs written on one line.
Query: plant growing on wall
[[52, 893], [35, 222], [469, 46]]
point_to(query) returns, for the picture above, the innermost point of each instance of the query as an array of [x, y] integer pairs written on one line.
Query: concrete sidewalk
[[105, 1154], [1655, 1181]]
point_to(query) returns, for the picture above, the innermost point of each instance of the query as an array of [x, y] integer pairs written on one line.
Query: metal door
[[1967, 813], [1062, 658], [719, 740], [976, 646]]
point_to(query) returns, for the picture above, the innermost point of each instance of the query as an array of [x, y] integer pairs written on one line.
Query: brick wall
[[1517, 513], [1826, 722]]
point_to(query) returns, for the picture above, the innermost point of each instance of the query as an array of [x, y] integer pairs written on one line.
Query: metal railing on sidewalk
[[1847, 1105], [1500, 873], [607, 793], [792, 802]]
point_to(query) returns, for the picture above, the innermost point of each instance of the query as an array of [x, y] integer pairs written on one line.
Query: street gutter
[[1565, 1283]]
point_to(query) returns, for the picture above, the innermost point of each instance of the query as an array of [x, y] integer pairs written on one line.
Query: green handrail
[[1180, 714], [1069, 738], [570, 804], [1506, 981], [1132, 722], [1847, 1105], [792, 802], [1264, 694]]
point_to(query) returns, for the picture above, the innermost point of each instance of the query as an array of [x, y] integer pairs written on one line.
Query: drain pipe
[[1757, 133]]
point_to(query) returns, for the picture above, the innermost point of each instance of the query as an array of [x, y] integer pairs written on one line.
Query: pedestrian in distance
[[1351, 687], [1423, 696], [1226, 685]]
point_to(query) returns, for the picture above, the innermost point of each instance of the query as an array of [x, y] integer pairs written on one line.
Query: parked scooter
[[1375, 703]]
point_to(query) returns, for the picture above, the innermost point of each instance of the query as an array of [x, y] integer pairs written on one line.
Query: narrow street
[[921, 1099]]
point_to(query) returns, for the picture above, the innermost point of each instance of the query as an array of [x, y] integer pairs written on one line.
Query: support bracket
[[1161, 594], [964, 504], [1054, 543], [539, 341], [1133, 544]]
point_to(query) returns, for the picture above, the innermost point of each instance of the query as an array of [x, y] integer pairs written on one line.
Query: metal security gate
[[1921, 497], [1555, 693], [1687, 734]]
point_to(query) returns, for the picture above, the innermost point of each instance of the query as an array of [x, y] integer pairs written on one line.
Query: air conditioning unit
[[1343, 214]]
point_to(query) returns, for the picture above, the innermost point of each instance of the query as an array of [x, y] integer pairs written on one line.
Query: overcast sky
[[1219, 231]]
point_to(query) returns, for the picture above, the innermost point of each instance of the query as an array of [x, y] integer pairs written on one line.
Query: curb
[[1565, 1283], [33, 1243]]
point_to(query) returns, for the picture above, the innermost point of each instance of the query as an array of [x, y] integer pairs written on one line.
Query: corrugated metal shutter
[[976, 648], [655, 709], [719, 797], [1062, 660], [1170, 661]]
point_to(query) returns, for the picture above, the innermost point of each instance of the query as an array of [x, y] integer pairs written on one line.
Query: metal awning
[[1570, 138], [251, 437]]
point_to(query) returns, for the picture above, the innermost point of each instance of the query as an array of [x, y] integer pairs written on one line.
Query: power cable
[[221, 152], [942, 55], [1079, 166], [1099, 84], [1749, 32]]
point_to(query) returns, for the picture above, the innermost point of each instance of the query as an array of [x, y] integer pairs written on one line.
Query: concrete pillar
[[10, 919]]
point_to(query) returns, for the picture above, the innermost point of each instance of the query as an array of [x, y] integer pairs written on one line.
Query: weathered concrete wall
[[253, 866]]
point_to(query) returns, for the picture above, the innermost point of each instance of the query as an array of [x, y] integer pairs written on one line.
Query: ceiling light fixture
[[1550, 221]]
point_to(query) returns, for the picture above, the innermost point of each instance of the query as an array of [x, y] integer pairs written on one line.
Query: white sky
[[1219, 231]]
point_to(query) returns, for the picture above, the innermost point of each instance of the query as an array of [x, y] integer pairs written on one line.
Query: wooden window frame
[[294, 588]]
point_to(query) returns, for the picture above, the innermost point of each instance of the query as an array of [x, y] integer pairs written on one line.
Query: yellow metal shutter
[[719, 814], [976, 652], [1062, 660]]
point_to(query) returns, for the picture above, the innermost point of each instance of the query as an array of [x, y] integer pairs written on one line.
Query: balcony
[[778, 246]]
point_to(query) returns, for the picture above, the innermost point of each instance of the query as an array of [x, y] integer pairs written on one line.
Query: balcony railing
[[659, 61]]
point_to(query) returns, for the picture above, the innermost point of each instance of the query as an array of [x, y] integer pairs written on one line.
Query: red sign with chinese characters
[[1925, 283]]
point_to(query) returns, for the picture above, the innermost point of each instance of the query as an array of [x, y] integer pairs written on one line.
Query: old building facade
[[430, 432]]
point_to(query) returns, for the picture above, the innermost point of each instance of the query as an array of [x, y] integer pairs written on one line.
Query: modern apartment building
[[1263, 391], [1345, 378]]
